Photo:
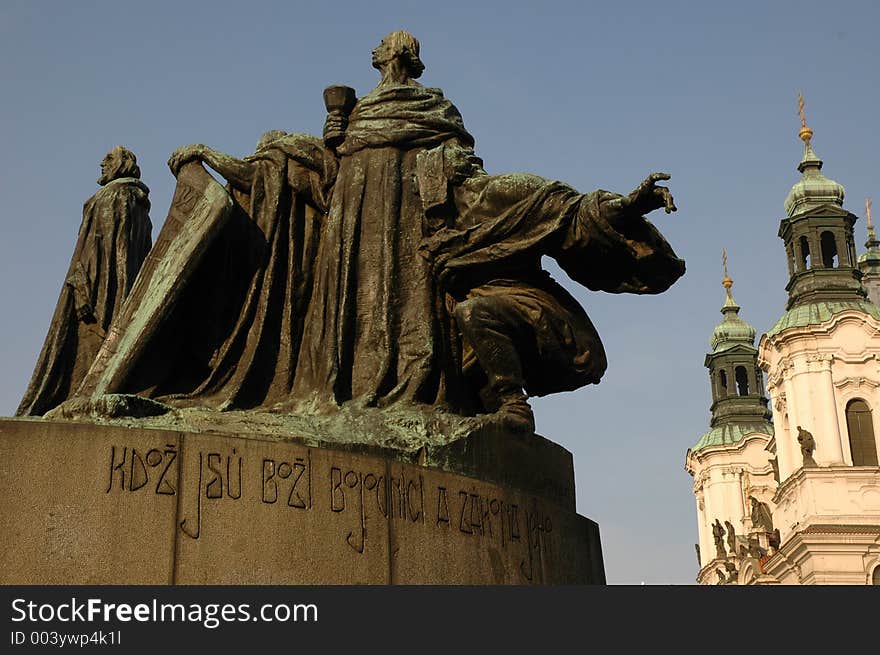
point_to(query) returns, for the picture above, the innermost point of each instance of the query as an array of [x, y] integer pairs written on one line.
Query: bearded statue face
[[109, 165], [119, 162]]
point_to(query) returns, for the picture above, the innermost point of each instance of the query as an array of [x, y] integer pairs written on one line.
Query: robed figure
[[428, 283], [523, 334], [217, 315], [373, 334], [113, 240]]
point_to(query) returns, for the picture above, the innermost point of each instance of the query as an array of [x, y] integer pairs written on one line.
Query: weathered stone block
[[98, 504], [80, 506]]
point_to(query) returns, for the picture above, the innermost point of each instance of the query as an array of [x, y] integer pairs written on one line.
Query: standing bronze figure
[[114, 239]]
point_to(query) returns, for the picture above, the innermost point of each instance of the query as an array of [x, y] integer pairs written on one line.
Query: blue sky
[[594, 94]]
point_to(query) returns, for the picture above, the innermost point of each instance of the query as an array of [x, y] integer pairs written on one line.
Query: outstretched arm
[[237, 172], [644, 199]]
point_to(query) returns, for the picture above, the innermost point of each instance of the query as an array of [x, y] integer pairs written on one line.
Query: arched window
[[742, 381], [805, 253], [861, 433], [723, 377], [875, 577], [829, 250]]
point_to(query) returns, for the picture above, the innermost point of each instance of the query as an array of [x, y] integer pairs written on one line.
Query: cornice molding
[[856, 383]]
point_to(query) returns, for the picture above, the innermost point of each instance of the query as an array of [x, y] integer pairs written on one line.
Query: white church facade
[[797, 500]]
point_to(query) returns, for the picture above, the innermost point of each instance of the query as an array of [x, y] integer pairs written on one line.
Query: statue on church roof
[[718, 535], [755, 549], [761, 517], [731, 537], [808, 445]]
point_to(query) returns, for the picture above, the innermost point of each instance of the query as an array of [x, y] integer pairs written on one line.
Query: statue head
[[119, 162], [402, 45]]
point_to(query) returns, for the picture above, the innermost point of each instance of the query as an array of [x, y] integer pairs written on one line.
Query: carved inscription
[[219, 477], [538, 529], [359, 495], [442, 507], [399, 498], [482, 516], [132, 469], [293, 479]]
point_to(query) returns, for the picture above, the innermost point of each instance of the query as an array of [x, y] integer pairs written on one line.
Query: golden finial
[[868, 213], [806, 133], [727, 282]]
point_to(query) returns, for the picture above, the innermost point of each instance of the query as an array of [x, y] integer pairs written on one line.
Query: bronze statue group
[[379, 266]]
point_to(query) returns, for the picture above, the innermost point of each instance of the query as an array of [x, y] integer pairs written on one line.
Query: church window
[[829, 250], [875, 577], [723, 377], [742, 381], [805, 253], [860, 426]]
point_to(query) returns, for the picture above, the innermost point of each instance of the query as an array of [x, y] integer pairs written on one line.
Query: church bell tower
[[822, 360], [818, 235], [733, 472]]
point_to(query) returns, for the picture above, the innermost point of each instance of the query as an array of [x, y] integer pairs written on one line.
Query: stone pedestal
[[82, 503]]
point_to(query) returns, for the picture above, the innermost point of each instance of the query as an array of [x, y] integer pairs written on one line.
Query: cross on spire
[[727, 282], [871, 244], [806, 133]]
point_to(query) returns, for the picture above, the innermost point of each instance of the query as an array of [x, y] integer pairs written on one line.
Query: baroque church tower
[[734, 478], [798, 501], [816, 518], [822, 360]]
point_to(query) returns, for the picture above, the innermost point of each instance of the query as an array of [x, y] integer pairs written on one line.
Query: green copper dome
[[732, 329], [818, 312], [730, 434], [814, 189]]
